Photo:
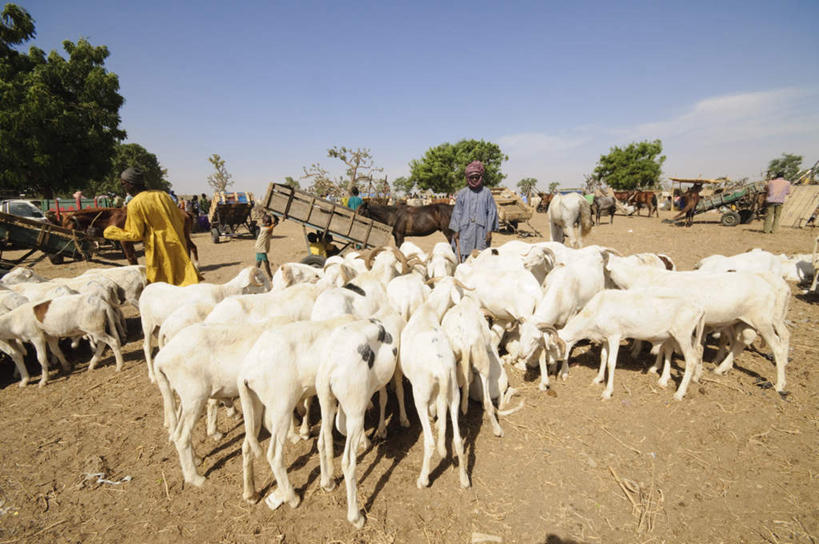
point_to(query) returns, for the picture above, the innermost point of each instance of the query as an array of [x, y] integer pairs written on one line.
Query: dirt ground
[[733, 462]]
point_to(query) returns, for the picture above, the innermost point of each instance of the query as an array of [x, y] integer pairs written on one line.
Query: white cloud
[[734, 135]]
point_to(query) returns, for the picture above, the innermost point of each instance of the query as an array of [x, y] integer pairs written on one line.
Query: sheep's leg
[[168, 403], [666, 352], [42, 357], [564, 368], [740, 339], [381, 430], [457, 441], [355, 432], [97, 356], [636, 348], [690, 356], [54, 345], [183, 439], [253, 423], [213, 406], [613, 347], [544, 368], [780, 352], [440, 404], [489, 408], [275, 456], [421, 399], [304, 430], [465, 368], [601, 373], [19, 363], [113, 343], [325, 438], [398, 382]]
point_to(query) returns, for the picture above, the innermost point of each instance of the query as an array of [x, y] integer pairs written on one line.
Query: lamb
[[567, 290], [160, 299], [612, 315], [428, 360], [202, 363], [80, 315], [279, 371], [471, 341], [759, 301], [351, 382]]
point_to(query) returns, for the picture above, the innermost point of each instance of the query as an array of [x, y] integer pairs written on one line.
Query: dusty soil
[[733, 462]]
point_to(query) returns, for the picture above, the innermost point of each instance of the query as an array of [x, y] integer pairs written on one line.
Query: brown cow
[[93, 221]]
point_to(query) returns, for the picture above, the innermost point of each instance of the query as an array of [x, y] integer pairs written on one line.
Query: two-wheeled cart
[[325, 218], [738, 202], [55, 242], [229, 211]]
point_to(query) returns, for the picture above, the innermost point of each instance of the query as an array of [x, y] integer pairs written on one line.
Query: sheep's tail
[[250, 401]]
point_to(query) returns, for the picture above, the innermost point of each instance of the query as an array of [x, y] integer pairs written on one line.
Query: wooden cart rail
[[325, 216], [57, 242]]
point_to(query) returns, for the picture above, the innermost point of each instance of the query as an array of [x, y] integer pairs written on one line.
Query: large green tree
[[441, 169], [59, 118], [125, 156], [787, 165], [636, 166]]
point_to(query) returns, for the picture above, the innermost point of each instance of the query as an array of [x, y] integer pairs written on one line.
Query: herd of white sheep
[[344, 332]]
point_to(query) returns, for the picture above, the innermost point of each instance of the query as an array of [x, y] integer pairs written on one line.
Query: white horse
[[567, 213]]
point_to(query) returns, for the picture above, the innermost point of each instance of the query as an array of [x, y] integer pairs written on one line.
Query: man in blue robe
[[475, 215]]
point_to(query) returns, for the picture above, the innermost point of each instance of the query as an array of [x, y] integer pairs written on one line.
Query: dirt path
[[731, 463]]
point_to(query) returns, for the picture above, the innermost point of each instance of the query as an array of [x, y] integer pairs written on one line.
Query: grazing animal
[[411, 220], [601, 204], [645, 198], [566, 213]]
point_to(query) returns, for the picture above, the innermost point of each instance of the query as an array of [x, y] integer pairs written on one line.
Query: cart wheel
[[55, 259], [214, 235], [746, 216], [316, 261], [730, 219]]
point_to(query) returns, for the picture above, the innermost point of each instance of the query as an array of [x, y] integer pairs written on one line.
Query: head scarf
[[474, 167], [134, 176]]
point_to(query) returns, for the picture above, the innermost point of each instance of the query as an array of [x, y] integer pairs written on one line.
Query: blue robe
[[473, 217]]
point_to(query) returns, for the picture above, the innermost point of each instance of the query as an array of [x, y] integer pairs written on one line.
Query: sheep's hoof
[[564, 376], [662, 383], [543, 386], [273, 501], [251, 498], [42, 383], [197, 460], [330, 485], [421, 483], [358, 521], [520, 365], [380, 434], [498, 431], [652, 369], [24, 382], [678, 396], [405, 423], [196, 480], [597, 380], [465, 481], [217, 436], [606, 395], [719, 371]]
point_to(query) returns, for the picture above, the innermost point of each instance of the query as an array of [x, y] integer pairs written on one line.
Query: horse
[[566, 212], [623, 196], [411, 220], [93, 221], [601, 204], [545, 199], [647, 199], [692, 197]]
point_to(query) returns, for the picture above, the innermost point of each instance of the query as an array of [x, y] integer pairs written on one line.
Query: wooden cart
[[738, 201], [229, 211], [325, 217], [55, 242], [511, 209]]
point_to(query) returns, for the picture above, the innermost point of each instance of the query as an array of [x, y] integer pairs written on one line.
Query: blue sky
[[270, 86]]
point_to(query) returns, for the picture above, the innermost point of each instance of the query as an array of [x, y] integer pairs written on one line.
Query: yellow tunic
[[154, 220]]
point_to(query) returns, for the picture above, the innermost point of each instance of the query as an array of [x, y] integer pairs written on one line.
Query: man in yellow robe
[[154, 220]]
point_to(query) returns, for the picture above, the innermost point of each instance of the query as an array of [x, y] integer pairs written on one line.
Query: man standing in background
[[778, 189], [475, 215]]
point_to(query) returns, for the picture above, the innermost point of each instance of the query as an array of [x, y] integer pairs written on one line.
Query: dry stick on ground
[[635, 450], [43, 530], [709, 380], [623, 487]]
